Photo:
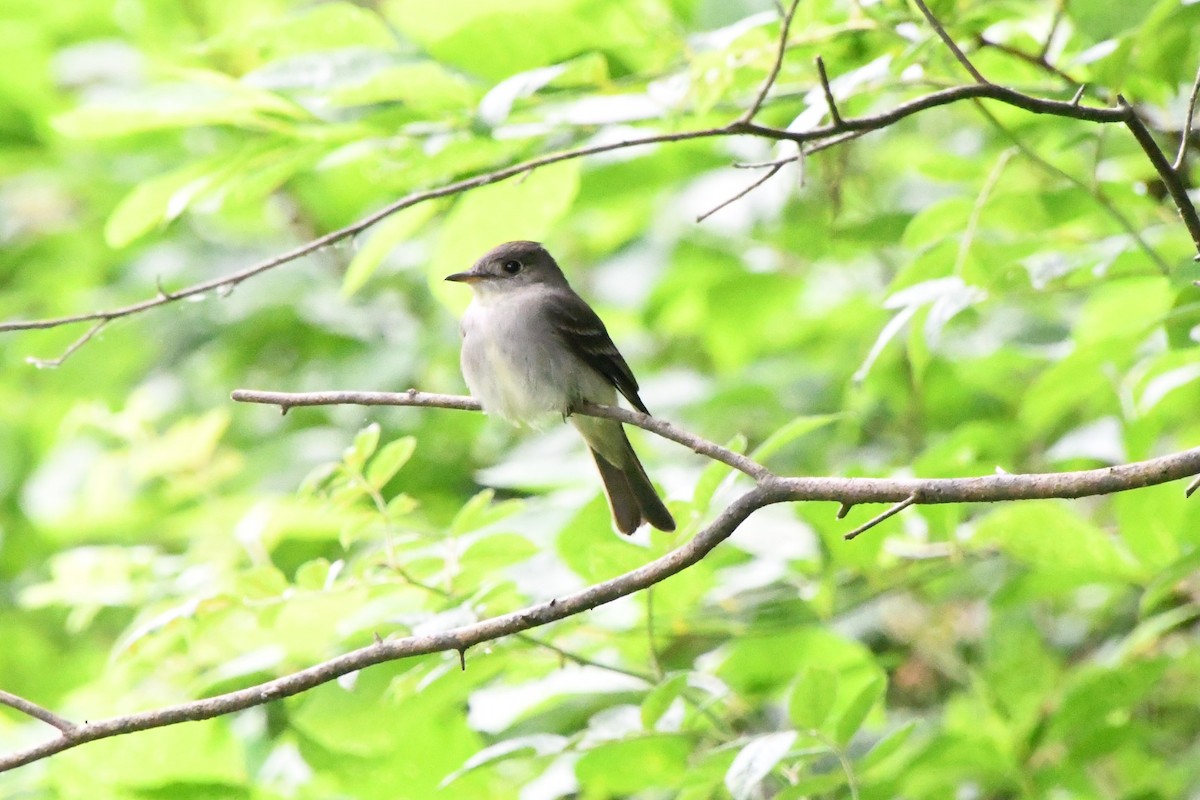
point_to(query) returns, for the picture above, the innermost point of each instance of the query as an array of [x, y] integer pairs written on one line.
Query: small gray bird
[[533, 347]]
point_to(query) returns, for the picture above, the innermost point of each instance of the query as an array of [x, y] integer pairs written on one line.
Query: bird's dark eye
[[511, 266]]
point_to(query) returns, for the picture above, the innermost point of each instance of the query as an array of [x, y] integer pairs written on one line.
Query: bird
[[532, 347]]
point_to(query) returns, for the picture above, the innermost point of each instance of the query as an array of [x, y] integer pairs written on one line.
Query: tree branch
[[37, 712], [848, 491], [1166, 173], [834, 115], [823, 137], [945, 37], [766, 176], [1188, 121], [457, 639], [667, 430], [770, 489], [785, 24]]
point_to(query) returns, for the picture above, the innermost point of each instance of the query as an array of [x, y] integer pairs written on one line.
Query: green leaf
[[756, 761], [623, 767], [659, 699], [1168, 582], [813, 697], [388, 461], [203, 97], [397, 228], [537, 744], [524, 207], [312, 575], [1049, 535], [498, 38], [365, 442], [887, 747], [856, 712], [161, 199], [481, 511], [790, 432]]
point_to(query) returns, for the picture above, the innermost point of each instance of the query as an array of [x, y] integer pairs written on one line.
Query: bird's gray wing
[[584, 335]]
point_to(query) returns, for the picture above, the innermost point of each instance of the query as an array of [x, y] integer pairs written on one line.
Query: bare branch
[[847, 491], [412, 397], [766, 176], [785, 25], [37, 712], [779, 162], [822, 137], [1075, 98], [41, 363], [1187, 123], [1166, 173], [825, 87], [1192, 487], [457, 639], [1036, 60], [945, 37], [1054, 23], [871, 523], [993, 488]]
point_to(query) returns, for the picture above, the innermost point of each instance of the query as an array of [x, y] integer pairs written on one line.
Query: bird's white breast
[[515, 364]]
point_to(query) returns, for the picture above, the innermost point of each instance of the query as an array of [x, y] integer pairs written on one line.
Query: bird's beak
[[465, 277]]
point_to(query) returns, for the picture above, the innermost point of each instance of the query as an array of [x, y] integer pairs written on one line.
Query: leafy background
[[973, 288]]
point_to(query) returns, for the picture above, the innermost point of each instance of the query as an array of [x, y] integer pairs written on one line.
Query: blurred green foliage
[[973, 288]]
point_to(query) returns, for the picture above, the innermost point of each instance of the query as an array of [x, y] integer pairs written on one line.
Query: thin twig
[[1177, 164], [985, 192], [825, 87], [1192, 487], [766, 176], [37, 712], [873, 521], [1075, 98], [785, 24], [779, 162], [51, 363], [412, 397], [1166, 173], [1054, 23], [945, 37], [1036, 60]]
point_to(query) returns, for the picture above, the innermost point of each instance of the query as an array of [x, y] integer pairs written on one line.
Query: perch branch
[[848, 491], [655, 425]]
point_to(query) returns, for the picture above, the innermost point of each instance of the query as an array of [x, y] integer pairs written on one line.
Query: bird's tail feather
[[631, 496]]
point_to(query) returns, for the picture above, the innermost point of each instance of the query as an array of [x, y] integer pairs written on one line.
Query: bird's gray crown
[[512, 264]]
